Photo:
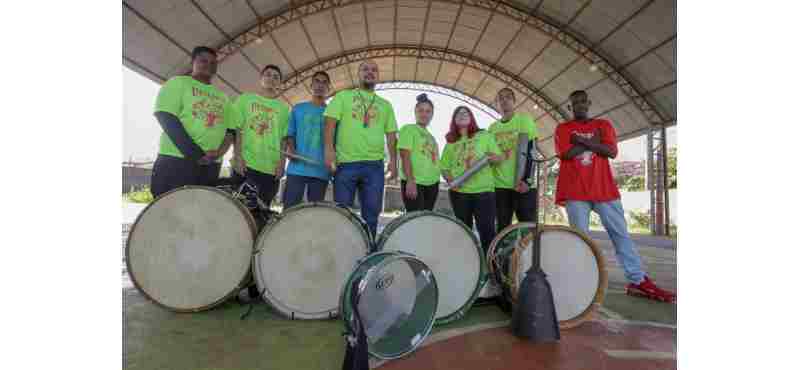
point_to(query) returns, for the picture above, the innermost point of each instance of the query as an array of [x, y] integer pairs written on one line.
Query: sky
[[140, 131]]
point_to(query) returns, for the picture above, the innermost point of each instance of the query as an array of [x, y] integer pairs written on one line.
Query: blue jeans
[[613, 218], [296, 186], [367, 177]]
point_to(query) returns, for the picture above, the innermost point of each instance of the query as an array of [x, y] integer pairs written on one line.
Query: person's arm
[[391, 139], [333, 113], [283, 127], [290, 141], [330, 151], [174, 129], [405, 156], [390, 128], [230, 137], [596, 144]]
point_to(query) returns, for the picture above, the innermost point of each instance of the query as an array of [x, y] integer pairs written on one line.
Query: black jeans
[[510, 202], [170, 173], [481, 207], [426, 197], [267, 184]]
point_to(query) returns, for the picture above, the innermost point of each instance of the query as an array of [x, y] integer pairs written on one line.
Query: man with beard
[[363, 119]]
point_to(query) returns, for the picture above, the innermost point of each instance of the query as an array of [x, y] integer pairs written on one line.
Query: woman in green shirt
[[419, 160], [474, 199]]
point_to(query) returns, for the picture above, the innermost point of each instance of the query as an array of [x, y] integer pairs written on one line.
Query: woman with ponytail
[[419, 160], [474, 199]]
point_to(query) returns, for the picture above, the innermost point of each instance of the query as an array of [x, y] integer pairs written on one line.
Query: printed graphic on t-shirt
[[507, 141], [430, 149], [465, 154], [262, 119], [587, 157], [360, 105], [208, 110]]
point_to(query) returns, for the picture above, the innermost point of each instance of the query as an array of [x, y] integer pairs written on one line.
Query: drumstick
[[301, 158], [458, 181]]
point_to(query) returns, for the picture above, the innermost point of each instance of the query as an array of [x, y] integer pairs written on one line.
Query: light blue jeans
[[613, 218]]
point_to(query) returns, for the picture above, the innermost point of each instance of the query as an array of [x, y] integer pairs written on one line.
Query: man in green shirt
[[513, 198], [194, 115], [262, 121], [363, 120]]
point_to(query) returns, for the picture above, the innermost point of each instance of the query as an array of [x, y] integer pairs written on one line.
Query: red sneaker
[[648, 289]]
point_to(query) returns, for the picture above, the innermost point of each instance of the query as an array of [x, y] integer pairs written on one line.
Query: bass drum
[[396, 300], [451, 250], [191, 248], [303, 257], [574, 266]]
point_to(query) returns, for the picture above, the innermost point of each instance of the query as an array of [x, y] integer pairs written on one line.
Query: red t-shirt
[[586, 176]]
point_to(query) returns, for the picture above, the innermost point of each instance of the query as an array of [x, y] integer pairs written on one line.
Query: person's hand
[[279, 172], [392, 170], [598, 136], [411, 189], [209, 157], [330, 160], [522, 187], [450, 182], [577, 139], [494, 158]]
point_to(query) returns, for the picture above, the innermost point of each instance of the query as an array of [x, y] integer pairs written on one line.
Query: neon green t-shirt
[[461, 155], [204, 111], [506, 134], [264, 123], [355, 139], [424, 154]]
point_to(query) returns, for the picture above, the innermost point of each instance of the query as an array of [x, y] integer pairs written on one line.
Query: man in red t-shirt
[[585, 184]]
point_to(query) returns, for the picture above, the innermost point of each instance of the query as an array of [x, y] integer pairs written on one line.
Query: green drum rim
[[266, 295], [483, 274], [367, 266]]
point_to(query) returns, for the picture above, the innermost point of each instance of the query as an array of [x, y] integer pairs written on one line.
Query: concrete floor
[[628, 332]]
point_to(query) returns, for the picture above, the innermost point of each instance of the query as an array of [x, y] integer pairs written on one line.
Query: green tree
[[672, 168]]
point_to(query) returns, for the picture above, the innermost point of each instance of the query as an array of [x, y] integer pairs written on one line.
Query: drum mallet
[[534, 315]]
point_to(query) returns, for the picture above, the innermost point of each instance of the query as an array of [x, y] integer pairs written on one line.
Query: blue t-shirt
[[307, 127]]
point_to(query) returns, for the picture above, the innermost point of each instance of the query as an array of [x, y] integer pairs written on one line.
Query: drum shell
[[482, 277], [371, 266], [506, 260], [246, 275], [259, 276]]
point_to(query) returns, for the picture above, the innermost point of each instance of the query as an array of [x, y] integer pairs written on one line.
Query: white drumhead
[[571, 268], [447, 248], [304, 259], [190, 248]]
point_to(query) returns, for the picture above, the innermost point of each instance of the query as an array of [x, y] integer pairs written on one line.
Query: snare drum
[[304, 256], [574, 265], [397, 301], [450, 249], [191, 248]]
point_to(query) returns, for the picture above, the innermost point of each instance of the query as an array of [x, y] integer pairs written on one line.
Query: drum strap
[[356, 356]]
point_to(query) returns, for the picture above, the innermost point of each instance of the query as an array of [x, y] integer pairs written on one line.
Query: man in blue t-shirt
[[305, 138]]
